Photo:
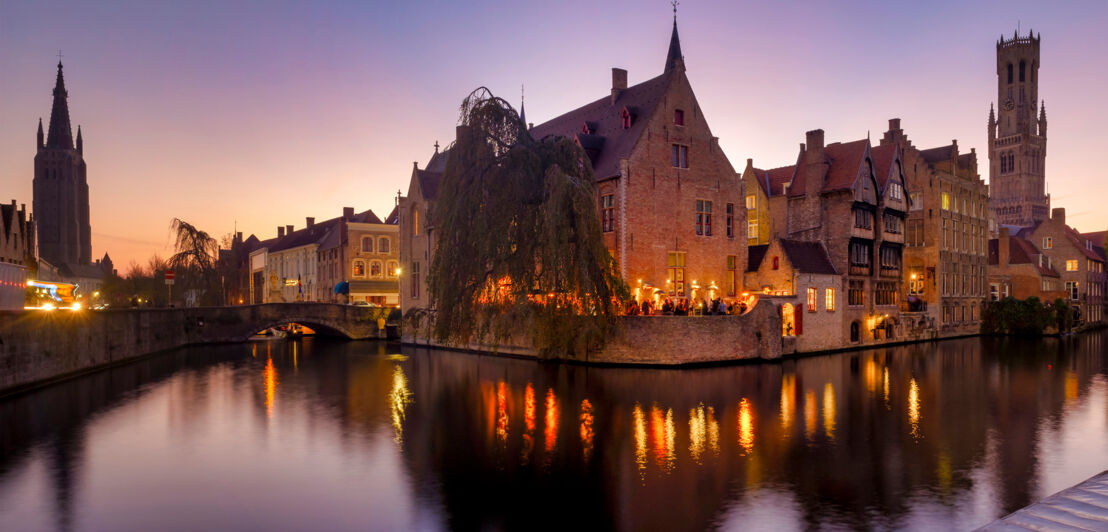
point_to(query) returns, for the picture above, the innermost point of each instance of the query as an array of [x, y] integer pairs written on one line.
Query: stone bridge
[[37, 346]]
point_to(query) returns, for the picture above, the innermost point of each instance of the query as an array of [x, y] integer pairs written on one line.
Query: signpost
[[169, 276]]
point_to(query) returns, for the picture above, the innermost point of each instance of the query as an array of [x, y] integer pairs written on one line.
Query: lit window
[[812, 299], [676, 272], [391, 268], [751, 201], [752, 230], [946, 201], [1071, 265], [375, 269], [732, 267], [359, 268], [776, 263], [1048, 243], [415, 226], [829, 300]]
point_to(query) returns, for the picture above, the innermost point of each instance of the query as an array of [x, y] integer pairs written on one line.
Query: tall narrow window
[[680, 156], [367, 244], [829, 300], [415, 280], [608, 212], [856, 295], [375, 269], [359, 268], [751, 202], [415, 223], [704, 217], [813, 299], [1023, 70], [676, 272], [384, 245], [730, 220], [1010, 75], [679, 117], [732, 274]]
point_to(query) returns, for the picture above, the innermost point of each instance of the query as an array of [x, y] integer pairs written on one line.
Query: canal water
[[318, 435]]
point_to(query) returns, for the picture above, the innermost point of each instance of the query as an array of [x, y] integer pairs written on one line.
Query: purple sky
[[264, 112]]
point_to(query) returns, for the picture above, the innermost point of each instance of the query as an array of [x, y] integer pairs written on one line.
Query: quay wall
[[39, 346], [660, 340]]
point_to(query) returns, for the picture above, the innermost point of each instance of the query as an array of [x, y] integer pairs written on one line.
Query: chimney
[[814, 140], [280, 231], [348, 212], [1058, 214], [894, 124], [309, 221], [750, 163], [619, 82], [1002, 248], [238, 235], [288, 229]]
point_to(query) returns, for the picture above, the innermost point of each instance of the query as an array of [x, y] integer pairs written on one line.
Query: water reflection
[[440, 440]]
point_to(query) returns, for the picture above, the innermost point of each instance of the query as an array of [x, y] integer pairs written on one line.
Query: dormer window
[[678, 117], [625, 118], [588, 128]]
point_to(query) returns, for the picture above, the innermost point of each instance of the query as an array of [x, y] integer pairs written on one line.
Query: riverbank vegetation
[[1027, 317], [519, 250]]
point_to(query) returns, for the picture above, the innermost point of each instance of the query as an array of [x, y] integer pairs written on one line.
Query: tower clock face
[[1009, 104]]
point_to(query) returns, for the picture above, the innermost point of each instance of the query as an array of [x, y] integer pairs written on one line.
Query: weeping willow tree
[[195, 253], [519, 247]]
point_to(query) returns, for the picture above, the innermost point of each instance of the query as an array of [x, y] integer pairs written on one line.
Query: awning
[[342, 288], [374, 287]]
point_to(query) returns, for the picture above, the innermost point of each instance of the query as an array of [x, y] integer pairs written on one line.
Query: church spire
[[80, 143], [674, 45], [522, 111], [40, 135], [60, 134]]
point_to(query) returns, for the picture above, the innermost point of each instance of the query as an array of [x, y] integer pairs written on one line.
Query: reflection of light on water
[[671, 442], [871, 376], [663, 438], [809, 414], [586, 427], [746, 427], [698, 432], [713, 431], [1071, 385], [399, 397], [640, 440], [943, 471], [885, 378], [551, 427], [270, 386], [829, 410], [502, 411], [913, 407], [295, 363], [254, 350], [788, 405], [396, 357], [528, 423]]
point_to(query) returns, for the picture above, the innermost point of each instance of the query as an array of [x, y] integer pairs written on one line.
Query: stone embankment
[[664, 340], [39, 346]]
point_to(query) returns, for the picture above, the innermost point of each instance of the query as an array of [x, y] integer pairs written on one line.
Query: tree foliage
[[519, 245], [1028, 317], [194, 257]]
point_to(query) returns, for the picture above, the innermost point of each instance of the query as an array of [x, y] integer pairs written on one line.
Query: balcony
[[861, 269], [866, 233]]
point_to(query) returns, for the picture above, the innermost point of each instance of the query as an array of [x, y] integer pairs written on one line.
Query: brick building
[[765, 201], [799, 279], [1078, 260], [1017, 135], [947, 229], [417, 246], [17, 254], [670, 202], [837, 198], [1019, 269]]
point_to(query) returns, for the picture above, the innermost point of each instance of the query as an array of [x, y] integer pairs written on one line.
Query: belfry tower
[[60, 190], [1017, 135]]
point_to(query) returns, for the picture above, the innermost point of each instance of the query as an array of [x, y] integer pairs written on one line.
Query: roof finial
[[59, 57], [675, 3], [522, 111], [436, 146]]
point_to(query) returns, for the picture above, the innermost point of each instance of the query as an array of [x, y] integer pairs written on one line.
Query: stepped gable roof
[[754, 256], [883, 157], [967, 160], [845, 160], [934, 155], [604, 119], [808, 257]]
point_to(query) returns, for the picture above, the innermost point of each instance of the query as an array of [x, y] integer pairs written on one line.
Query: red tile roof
[[846, 161], [609, 142], [883, 157], [778, 178], [1020, 251], [808, 257]]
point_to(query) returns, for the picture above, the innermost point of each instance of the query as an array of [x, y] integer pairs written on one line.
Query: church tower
[[61, 205], [1017, 135]]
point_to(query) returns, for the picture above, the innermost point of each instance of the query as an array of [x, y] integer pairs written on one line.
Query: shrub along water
[[1028, 317]]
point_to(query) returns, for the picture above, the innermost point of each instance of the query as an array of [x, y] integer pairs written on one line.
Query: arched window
[[1009, 75], [383, 245], [375, 268], [359, 268], [391, 267], [367, 244], [1023, 70]]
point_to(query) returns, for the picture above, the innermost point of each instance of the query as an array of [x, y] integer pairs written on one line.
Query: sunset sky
[[263, 113]]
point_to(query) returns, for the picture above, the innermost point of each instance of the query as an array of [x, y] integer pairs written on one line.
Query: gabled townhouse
[[1079, 260], [799, 279], [1019, 269]]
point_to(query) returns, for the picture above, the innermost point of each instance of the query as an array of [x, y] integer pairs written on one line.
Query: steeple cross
[[59, 56], [675, 3]]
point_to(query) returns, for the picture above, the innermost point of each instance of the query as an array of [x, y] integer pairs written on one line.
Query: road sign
[[169, 276]]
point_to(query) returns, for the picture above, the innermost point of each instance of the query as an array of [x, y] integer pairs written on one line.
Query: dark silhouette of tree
[[194, 259], [520, 251]]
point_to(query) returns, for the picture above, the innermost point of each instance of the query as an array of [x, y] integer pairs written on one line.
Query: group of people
[[685, 307]]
